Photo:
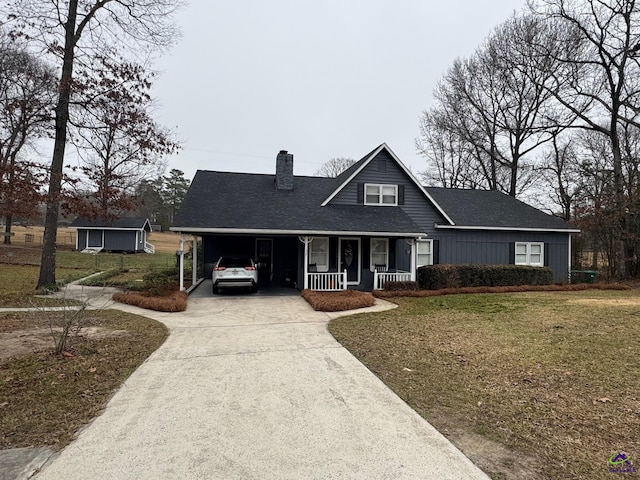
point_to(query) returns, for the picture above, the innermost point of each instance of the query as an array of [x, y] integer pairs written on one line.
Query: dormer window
[[380, 194]]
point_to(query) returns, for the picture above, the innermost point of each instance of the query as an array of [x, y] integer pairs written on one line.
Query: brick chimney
[[284, 171]]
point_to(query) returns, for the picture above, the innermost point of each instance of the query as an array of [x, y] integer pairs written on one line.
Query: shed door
[[94, 238]]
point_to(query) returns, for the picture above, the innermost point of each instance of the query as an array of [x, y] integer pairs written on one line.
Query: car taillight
[[217, 269], [250, 267]]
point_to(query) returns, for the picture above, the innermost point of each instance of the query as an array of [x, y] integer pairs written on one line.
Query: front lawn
[[528, 385], [45, 399]]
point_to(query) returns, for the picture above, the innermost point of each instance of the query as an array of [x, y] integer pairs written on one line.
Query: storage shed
[[126, 234]]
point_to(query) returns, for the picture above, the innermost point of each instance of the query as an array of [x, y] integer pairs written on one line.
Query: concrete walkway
[[254, 387]]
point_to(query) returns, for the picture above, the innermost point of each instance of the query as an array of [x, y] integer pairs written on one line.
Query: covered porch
[[325, 262]]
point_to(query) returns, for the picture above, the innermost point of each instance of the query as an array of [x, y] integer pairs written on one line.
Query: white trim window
[[379, 194], [530, 253], [379, 252], [424, 252], [319, 253]]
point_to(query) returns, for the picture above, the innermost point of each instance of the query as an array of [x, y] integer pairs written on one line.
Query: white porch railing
[[149, 248], [379, 278], [328, 282]]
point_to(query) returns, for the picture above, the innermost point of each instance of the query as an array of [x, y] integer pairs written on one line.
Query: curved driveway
[[254, 387]]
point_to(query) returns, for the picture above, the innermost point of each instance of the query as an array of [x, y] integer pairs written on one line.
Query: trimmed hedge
[[436, 277], [401, 286]]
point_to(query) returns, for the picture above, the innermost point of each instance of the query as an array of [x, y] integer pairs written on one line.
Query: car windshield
[[235, 262]]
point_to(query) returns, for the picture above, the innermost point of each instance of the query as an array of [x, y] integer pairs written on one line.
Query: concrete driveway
[[254, 387]]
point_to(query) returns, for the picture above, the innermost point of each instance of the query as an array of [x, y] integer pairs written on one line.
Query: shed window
[[424, 250], [530, 253], [379, 194], [319, 253]]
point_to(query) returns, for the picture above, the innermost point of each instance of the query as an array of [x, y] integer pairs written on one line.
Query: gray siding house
[[371, 224], [126, 234]]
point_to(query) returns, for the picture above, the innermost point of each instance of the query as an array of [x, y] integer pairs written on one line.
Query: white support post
[[194, 274], [569, 263], [306, 241], [181, 267], [414, 259], [375, 279], [345, 279]]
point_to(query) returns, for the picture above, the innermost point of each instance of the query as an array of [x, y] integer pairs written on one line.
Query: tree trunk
[[47, 278], [7, 229], [619, 227]]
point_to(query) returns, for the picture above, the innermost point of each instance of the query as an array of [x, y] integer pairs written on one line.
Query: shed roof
[[122, 223]]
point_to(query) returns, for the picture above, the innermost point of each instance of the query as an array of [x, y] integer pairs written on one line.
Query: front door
[[349, 259], [264, 259]]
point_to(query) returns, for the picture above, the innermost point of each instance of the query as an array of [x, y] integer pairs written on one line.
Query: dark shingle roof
[[134, 223], [221, 200], [490, 208]]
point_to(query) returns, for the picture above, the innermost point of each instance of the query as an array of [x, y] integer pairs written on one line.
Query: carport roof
[[223, 202]]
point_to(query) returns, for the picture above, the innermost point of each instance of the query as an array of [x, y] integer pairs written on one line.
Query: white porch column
[[569, 263], [194, 275], [306, 241], [414, 259], [181, 267]]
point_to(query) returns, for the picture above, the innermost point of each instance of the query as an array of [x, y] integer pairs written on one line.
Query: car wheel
[[215, 290], [254, 289]]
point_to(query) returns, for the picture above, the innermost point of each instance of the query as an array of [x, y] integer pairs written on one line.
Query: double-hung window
[[424, 252], [380, 194], [319, 253], [380, 252], [530, 253]]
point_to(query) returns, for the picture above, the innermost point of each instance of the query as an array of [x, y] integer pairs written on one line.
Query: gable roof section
[[352, 172], [223, 202], [122, 223], [493, 210]]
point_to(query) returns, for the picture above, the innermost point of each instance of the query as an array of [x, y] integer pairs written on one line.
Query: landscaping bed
[[337, 301]]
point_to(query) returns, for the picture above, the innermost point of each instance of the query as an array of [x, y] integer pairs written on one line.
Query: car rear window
[[231, 262]]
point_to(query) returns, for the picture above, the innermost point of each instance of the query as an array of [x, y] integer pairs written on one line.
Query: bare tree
[[599, 82], [491, 103], [27, 89], [334, 167], [118, 141], [74, 32]]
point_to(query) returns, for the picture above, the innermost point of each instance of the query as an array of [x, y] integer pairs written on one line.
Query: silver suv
[[234, 272]]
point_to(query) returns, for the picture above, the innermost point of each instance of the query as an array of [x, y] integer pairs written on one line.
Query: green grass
[[19, 275], [553, 377]]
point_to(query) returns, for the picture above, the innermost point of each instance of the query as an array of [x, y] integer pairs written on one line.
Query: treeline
[[548, 108]]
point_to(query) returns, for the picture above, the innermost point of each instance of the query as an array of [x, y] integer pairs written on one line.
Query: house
[[371, 224], [126, 234]]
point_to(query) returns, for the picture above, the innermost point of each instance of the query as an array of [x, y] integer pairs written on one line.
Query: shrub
[[401, 286], [173, 302], [161, 282], [337, 301], [435, 277]]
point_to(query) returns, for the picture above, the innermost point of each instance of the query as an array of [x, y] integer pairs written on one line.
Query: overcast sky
[[319, 78]]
